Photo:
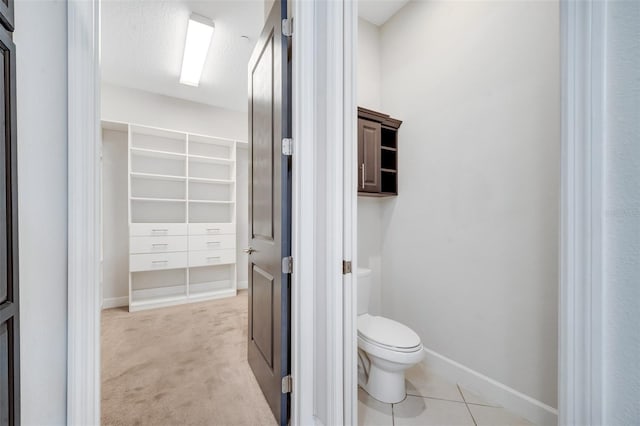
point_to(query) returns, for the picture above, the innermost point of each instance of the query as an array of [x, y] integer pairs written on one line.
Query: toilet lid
[[387, 332]]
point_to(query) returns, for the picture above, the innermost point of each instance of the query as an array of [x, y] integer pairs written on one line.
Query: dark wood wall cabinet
[[377, 154]]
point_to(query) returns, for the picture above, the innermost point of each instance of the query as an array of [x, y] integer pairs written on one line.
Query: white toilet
[[386, 349]]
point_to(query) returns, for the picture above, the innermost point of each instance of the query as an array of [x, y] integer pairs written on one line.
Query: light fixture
[[196, 47]]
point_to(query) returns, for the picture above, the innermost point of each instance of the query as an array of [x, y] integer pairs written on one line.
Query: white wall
[[370, 209], [622, 216], [470, 246], [140, 107], [115, 235], [41, 37]]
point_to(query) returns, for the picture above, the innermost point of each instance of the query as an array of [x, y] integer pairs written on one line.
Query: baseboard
[[493, 391], [115, 302], [243, 284]]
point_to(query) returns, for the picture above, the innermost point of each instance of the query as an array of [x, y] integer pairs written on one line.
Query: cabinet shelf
[[211, 202], [158, 177], [388, 148], [207, 180], [158, 154], [388, 171], [161, 200], [212, 160]]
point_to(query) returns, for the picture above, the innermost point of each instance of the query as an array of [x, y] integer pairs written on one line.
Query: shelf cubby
[[158, 140], [157, 210], [211, 147], [210, 212], [145, 187]]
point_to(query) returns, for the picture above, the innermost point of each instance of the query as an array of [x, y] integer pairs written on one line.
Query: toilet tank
[[364, 289]]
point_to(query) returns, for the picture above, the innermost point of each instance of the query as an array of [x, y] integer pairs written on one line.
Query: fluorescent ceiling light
[[196, 47]]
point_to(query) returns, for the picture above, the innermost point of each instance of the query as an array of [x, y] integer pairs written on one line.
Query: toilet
[[386, 349]]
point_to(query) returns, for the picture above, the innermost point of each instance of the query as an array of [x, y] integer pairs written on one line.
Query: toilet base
[[385, 385]]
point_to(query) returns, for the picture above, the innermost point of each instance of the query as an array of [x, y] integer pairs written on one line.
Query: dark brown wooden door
[[9, 337], [368, 156], [270, 212]]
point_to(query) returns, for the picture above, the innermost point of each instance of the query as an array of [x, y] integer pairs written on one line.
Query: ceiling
[[143, 43], [379, 11]]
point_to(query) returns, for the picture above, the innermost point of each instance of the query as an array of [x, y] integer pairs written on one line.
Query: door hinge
[[287, 384], [346, 267], [287, 265], [287, 146], [287, 27]]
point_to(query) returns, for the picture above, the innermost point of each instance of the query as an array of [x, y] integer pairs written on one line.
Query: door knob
[[249, 250]]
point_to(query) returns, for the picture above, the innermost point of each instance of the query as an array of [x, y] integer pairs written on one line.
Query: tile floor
[[433, 401]]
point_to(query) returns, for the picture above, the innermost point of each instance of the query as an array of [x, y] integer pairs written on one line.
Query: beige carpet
[[184, 365]]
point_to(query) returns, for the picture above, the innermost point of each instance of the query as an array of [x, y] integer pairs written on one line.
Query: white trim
[[492, 390], [583, 36], [318, 245], [303, 226], [84, 298], [350, 213], [115, 302]]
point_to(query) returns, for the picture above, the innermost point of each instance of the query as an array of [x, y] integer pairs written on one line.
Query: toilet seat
[[385, 333]]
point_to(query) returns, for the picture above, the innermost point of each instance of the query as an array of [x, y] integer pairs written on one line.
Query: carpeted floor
[[184, 365]]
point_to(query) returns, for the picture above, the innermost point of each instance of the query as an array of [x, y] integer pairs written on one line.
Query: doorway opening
[[188, 280], [458, 171]]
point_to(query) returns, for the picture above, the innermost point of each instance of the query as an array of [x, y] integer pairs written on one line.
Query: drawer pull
[[211, 243], [213, 229], [159, 230], [213, 258], [159, 245], [158, 262]]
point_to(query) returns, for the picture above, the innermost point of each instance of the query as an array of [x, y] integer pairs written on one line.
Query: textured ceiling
[[379, 11], [143, 42]]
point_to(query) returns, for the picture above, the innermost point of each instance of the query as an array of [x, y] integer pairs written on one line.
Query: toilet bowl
[[386, 349]]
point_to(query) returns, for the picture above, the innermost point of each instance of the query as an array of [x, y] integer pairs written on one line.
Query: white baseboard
[[243, 284], [493, 391], [115, 302]]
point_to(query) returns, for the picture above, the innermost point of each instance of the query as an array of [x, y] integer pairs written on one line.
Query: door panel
[[262, 143], [262, 318], [9, 324], [6, 14], [270, 212], [369, 155]]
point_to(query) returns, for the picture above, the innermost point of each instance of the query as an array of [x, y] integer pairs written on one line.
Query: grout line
[[439, 399], [393, 415], [467, 405]]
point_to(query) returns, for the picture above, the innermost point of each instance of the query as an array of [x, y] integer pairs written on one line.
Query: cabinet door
[[368, 156]]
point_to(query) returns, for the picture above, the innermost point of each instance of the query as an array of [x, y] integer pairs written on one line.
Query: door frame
[[319, 27], [318, 186]]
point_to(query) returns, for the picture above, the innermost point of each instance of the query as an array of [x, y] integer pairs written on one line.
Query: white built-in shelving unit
[[182, 210]]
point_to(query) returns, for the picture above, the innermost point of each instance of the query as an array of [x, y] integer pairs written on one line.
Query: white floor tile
[[474, 398], [421, 382], [417, 411], [494, 416], [373, 412]]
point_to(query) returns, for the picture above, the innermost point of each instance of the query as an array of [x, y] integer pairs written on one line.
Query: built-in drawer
[[211, 257], [157, 244], [212, 242], [158, 229], [157, 261], [211, 228]]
